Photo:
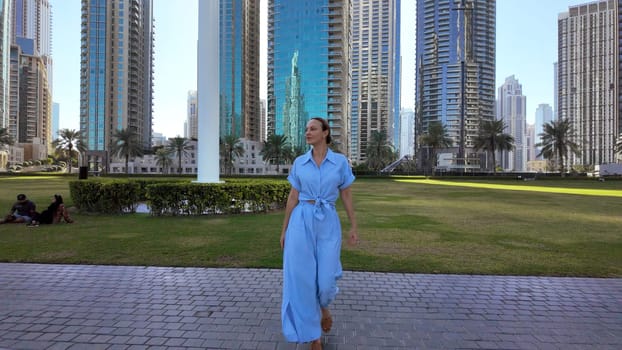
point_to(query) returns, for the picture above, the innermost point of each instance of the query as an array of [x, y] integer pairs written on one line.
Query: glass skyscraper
[[511, 108], [116, 71], [375, 73], [455, 78], [5, 50], [240, 108], [308, 68]]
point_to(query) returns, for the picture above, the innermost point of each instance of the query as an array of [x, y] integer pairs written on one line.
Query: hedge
[[180, 197]]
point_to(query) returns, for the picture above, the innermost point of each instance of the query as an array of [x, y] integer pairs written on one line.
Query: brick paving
[[131, 307]]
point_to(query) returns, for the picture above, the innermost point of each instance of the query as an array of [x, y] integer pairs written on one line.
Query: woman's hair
[[324, 127], [58, 199]]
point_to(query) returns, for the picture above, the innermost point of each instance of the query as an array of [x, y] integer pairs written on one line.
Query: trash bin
[[84, 173]]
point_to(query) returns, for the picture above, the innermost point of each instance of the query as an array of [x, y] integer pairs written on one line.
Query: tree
[[556, 142], [125, 144], [163, 159], [379, 150], [180, 146], [276, 149], [436, 138], [491, 138], [69, 140], [5, 138], [230, 148]]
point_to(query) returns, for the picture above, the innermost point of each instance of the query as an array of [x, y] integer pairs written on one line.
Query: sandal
[[316, 345], [327, 323]]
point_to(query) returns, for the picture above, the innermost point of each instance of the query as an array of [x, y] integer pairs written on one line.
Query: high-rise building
[[5, 51], [192, 121], [544, 115], [55, 120], [239, 69], [375, 64], [308, 68], [511, 105], [555, 91], [116, 79], [32, 19], [589, 67], [455, 77], [530, 144]]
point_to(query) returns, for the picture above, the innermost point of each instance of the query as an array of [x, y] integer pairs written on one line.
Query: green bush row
[[179, 198]]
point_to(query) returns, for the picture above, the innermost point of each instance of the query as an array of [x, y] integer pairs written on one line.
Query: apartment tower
[[589, 79], [455, 73], [308, 68], [375, 54], [511, 108], [5, 50], [116, 80], [240, 108]]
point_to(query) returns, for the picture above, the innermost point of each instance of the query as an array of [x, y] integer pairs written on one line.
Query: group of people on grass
[[24, 211]]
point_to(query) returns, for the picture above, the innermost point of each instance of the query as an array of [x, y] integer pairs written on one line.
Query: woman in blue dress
[[311, 236]]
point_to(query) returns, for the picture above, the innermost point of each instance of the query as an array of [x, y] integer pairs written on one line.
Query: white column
[[208, 92]]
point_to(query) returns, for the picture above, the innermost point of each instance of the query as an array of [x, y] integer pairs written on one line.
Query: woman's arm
[[346, 198], [292, 201]]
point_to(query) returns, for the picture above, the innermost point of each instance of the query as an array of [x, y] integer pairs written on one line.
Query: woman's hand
[[353, 238]]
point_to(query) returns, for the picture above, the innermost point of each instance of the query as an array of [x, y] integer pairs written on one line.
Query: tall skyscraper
[[116, 79], [5, 50], [555, 92], [407, 133], [240, 109], [455, 78], [589, 69], [511, 105], [308, 68], [375, 73], [544, 114], [192, 121], [32, 19]]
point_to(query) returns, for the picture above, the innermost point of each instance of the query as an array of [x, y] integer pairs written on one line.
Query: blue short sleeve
[[347, 178], [293, 177]]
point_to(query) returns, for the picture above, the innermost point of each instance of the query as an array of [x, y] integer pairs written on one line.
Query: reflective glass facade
[[455, 77], [308, 63], [239, 69], [116, 75]]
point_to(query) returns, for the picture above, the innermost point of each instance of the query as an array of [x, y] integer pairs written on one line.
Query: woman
[[53, 214], [311, 236]]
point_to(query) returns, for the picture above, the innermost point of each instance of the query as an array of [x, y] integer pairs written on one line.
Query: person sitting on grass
[[55, 212], [22, 211]]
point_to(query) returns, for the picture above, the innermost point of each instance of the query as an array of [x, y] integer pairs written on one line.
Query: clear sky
[[526, 48]]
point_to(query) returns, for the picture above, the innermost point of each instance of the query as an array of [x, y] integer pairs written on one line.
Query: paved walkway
[[118, 307]]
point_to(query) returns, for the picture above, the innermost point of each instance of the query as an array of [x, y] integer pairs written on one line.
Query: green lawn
[[549, 227]]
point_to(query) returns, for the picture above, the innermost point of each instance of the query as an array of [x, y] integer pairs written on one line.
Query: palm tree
[[163, 159], [436, 138], [379, 150], [556, 142], [126, 143], [491, 138], [276, 149], [5, 138], [69, 140], [180, 146], [230, 148]]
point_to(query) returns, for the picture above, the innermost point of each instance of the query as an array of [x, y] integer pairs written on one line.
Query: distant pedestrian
[[311, 237], [22, 211]]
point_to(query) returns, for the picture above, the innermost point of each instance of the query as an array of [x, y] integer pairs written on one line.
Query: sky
[[526, 47]]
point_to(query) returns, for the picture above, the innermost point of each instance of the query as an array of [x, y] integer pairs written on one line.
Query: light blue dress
[[311, 256]]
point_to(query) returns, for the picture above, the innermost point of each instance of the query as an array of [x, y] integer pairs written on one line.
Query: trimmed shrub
[[115, 196]]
